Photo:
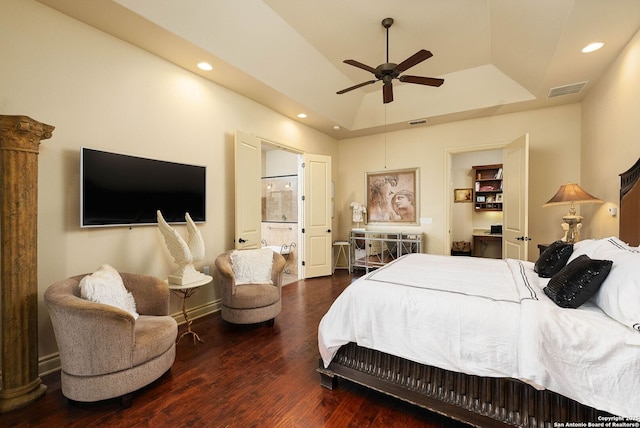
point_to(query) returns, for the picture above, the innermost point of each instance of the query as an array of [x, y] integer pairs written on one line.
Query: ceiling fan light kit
[[388, 71]]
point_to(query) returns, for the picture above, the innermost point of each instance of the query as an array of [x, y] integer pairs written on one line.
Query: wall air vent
[[418, 122], [573, 88]]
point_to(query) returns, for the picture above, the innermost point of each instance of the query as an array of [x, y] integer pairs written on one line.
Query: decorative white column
[[19, 143]]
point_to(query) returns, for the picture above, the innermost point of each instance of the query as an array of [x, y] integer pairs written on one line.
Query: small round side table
[[185, 291]]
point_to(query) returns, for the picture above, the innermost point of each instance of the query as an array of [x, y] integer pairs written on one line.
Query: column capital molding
[[14, 129]]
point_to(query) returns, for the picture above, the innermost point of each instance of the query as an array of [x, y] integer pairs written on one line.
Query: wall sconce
[[571, 194]]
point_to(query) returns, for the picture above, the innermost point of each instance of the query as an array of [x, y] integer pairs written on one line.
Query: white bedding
[[582, 354], [488, 317]]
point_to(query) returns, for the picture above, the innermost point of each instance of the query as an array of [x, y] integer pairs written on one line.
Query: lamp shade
[[571, 193]]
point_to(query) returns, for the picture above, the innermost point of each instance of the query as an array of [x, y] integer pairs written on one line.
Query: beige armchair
[[104, 351], [249, 303]]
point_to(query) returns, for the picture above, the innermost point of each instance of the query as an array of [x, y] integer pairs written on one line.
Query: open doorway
[[280, 197], [465, 222], [514, 157]]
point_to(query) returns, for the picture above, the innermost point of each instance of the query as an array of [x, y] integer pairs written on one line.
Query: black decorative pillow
[[553, 259], [577, 281]]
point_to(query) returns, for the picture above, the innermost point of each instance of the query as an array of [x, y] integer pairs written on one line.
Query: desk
[[185, 291], [482, 239], [371, 249]]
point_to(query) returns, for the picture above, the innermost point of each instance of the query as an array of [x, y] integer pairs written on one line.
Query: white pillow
[[586, 247], [252, 266], [105, 286], [619, 295]]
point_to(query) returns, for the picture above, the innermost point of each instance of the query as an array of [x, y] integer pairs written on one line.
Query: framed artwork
[[462, 195], [392, 196], [499, 197]]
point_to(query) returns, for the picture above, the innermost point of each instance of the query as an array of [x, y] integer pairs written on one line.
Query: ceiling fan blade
[[387, 93], [414, 59], [359, 85], [360, 65], [430, 81]]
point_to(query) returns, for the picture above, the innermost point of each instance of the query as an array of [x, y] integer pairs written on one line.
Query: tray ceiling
[[496, 56]]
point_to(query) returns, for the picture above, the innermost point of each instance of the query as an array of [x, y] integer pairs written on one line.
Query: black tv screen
[[117, 189]]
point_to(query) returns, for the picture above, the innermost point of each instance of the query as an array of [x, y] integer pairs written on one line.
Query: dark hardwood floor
[[242, 376]]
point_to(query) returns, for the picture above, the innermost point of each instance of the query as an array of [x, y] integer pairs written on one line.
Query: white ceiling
[[496, 56]]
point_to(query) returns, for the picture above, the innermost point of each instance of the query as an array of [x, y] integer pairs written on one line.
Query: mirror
[[280, 199]]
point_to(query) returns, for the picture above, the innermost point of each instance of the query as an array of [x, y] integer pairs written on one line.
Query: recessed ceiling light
[[592, 47], [302, 115], [336, 127], [205, 66]]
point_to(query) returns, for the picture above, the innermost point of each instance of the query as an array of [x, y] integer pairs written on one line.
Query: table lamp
[[571, 194]]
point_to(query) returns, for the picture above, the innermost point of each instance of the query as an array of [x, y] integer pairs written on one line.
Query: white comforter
[[488, 317]]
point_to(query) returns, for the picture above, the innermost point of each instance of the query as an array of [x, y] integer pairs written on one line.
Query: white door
[[248, 217], [515, 221], [317, 216]]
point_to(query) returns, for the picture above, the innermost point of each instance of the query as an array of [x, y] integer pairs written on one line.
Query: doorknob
[[242, 241], [523, 238], [328, 230]]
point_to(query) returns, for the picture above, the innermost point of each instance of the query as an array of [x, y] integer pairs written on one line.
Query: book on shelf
[[499, 174]]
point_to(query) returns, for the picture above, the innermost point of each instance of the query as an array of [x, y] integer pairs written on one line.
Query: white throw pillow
[[105, 286], [252, 266], [586, 247], [619, 295]]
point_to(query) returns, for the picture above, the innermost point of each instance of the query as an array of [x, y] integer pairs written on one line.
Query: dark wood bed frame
[[630, 205], [478, 401]]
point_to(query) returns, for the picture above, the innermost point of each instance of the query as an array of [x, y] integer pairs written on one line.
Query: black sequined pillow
[[577, 281], [553, 259]]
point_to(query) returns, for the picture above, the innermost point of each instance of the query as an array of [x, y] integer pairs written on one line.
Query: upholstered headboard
[[630, 205]]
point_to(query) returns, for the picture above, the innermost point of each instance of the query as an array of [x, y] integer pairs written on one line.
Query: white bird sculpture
[[184, 253]]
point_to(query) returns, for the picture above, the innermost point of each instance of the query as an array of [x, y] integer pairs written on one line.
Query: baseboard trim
[[198, 311], [51, 363]]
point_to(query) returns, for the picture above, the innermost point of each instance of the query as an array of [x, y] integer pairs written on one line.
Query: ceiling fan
[[389, 71]]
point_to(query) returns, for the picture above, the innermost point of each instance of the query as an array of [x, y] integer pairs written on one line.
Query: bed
[[531, 363]]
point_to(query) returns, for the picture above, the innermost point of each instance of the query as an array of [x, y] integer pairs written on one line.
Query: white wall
[[107, 94], [280, 162], [610, 137]]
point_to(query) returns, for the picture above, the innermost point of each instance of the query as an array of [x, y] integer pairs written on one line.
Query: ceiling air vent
[[573, 88]]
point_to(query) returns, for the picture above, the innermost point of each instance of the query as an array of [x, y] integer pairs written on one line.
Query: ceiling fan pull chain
[[385, 136]]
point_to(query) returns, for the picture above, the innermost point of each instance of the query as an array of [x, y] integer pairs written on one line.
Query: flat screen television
[[120, 190]]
